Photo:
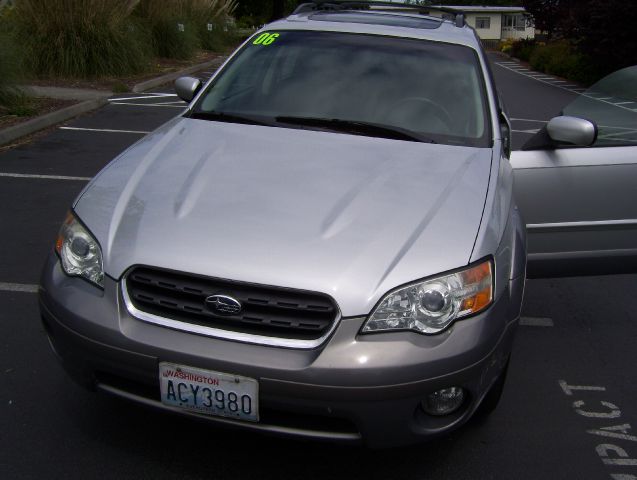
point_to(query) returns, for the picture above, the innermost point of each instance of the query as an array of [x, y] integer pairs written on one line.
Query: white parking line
[[570, 88], [18, 287], [536, 322], [178, 102], [527, 120], [144, 97], [147, 104], [106, 130], [44, 177], [530, 132]]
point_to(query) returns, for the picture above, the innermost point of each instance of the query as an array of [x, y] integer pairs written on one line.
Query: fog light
[[443, 402]]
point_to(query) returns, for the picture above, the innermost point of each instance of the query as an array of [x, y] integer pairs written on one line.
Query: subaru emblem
[[223, 305]]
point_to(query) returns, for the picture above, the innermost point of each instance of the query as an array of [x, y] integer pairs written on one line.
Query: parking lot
[[568, 408]]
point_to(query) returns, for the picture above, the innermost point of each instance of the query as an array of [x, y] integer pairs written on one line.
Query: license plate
[[211, 393]]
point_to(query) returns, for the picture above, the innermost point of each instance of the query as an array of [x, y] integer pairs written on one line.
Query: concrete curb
[[31, 126], [64, 93], [99, 99], [169, 77]]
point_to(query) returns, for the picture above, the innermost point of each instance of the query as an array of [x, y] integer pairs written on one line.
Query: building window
[[517, 22], [483, 23]]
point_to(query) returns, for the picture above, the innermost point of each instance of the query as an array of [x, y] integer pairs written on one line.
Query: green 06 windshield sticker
[[266, 39]]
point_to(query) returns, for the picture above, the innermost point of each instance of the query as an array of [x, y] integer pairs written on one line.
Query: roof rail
[[336, 5]]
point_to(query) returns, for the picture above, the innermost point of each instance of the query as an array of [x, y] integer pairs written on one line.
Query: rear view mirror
[[572, 131], [187, 88]]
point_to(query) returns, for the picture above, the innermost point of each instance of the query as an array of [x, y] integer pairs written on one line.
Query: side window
[[612, 105]]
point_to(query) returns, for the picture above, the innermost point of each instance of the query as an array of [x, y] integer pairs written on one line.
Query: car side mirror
[[505, 133], [187, 88], [572, 131]]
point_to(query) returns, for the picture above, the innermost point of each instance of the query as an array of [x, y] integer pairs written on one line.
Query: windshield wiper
[[356, 127], [229, 117]]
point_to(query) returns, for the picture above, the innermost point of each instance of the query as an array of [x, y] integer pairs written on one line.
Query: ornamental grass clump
[[172, 32], [178, 28], [12, 100], [81, 38], [214, 22]]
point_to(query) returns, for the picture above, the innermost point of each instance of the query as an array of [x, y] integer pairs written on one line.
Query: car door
[[580, 202]]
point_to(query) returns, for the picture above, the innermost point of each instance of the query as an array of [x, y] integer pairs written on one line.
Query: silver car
[[325, 244]]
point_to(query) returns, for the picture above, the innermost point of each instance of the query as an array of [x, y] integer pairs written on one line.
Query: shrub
[[562, 59], [506, 46], [523, 49], [12, 100], [217, 29], [172, 32], [218, 35], [179, 27], [80, 38]]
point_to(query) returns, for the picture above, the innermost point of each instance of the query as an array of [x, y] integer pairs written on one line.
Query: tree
[[549, 15], [601, 29]]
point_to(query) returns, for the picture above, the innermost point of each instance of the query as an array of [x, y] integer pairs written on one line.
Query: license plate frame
[[195, 389]]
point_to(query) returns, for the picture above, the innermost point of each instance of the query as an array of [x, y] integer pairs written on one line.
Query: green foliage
[[602, 30], [253, 13], [173, 38], [178, 28], [506, 46], [523, 49], [561, 59], [215, 27], [96, 38], [217, 35], [19, 105], [12, 100], [548, 14], [597, 29], [80, 38], [120, 87]]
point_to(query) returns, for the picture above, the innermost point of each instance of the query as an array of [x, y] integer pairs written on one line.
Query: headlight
[[432, 305], [79, 252]]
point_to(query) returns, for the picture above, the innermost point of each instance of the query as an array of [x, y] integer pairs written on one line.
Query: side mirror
[[572, 131], [187, 88], [505, 133]]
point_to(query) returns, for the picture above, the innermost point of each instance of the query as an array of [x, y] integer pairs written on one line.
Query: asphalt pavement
[[567, 411]]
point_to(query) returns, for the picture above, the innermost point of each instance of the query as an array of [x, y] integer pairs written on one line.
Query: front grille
[[266, 310]]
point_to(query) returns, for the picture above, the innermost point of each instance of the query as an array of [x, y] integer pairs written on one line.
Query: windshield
[[354, 83]]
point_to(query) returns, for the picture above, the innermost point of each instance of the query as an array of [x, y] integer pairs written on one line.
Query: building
[[495, 24]]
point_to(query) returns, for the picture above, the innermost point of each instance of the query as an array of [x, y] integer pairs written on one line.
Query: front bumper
[[352, 388]]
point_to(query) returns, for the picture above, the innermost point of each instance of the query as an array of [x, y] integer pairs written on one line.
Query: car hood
[[346, 215]]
